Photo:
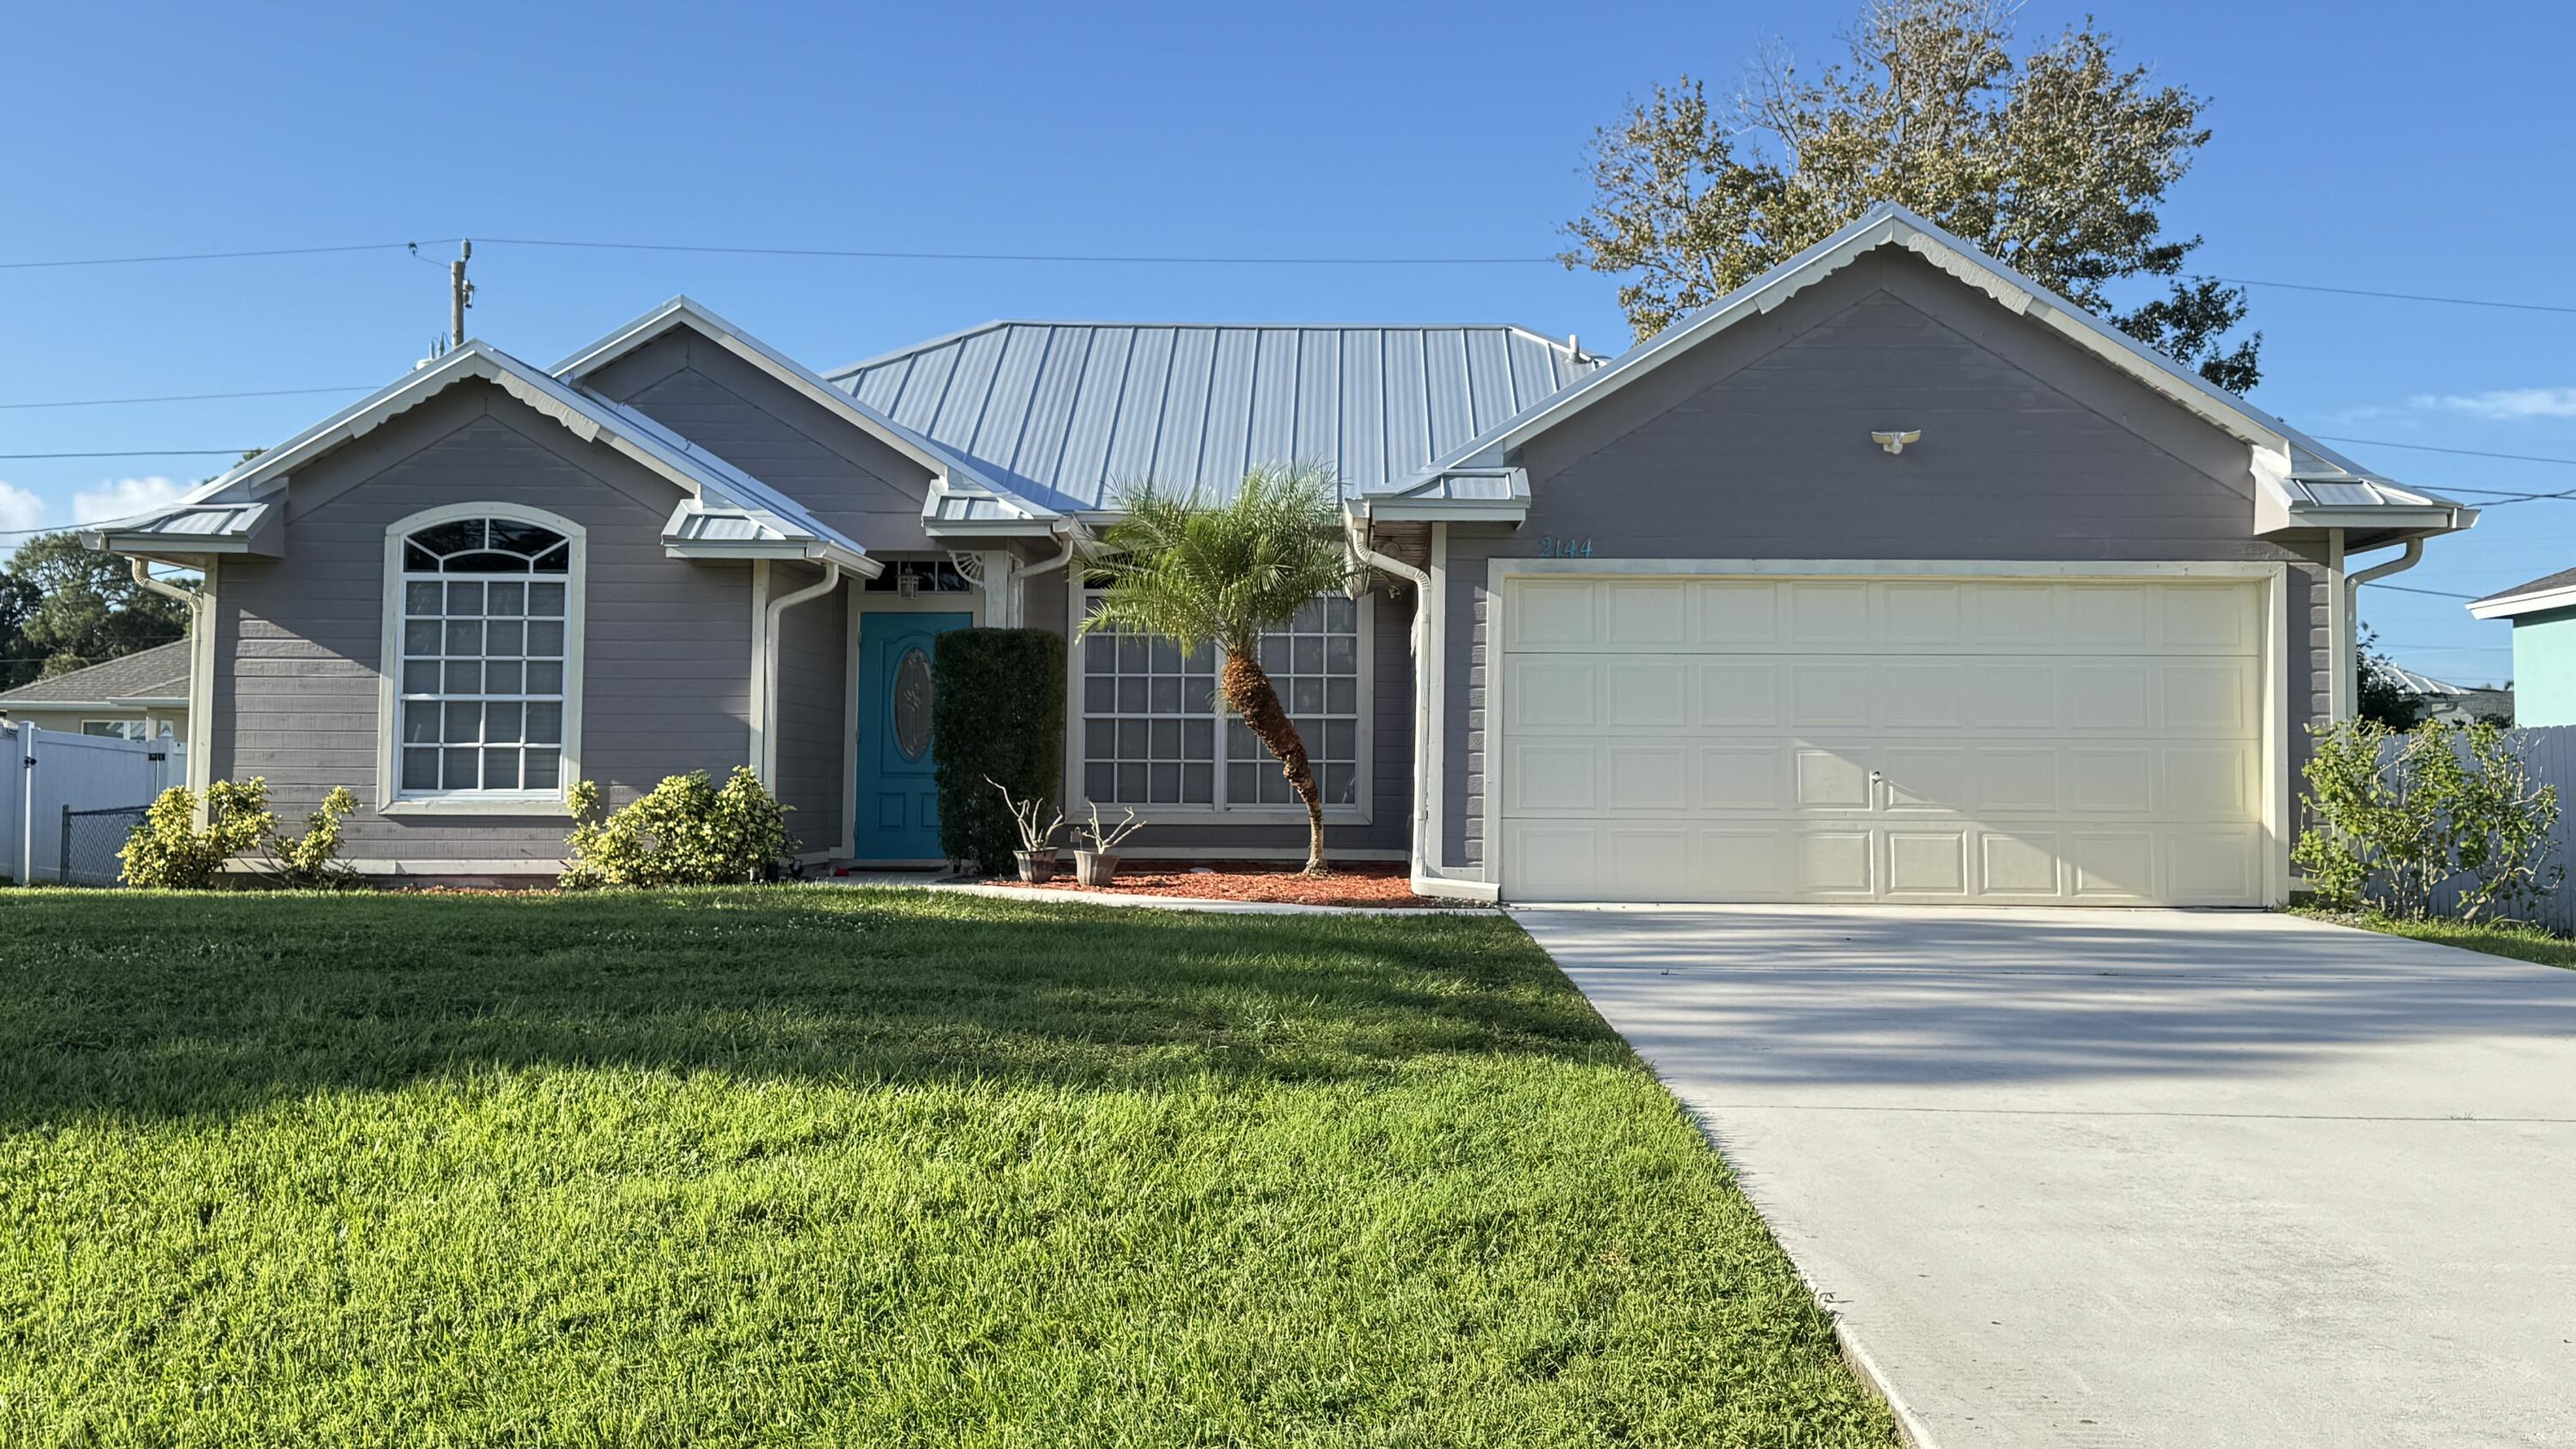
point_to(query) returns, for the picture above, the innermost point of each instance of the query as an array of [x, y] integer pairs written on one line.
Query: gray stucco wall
[[1756, 445], [297, 640]]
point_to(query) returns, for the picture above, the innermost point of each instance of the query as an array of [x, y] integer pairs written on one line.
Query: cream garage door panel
[[2020, 741]]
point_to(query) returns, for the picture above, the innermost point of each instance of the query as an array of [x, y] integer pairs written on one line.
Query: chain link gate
[[91, 839]]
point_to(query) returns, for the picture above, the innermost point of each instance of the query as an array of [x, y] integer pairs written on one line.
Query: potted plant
[[1037, 852], [1095, 848]]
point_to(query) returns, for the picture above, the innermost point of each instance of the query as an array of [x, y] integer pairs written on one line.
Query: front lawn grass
[[2522, 943], [852, 1167]]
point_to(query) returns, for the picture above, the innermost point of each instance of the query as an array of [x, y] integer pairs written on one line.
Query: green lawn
[[2523, 943], [841, 1167]]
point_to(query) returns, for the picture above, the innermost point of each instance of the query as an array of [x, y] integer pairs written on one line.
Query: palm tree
[[1227, 573]]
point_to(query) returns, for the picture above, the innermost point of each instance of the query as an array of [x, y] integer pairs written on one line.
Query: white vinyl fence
[[68, 801], [2551, 751]]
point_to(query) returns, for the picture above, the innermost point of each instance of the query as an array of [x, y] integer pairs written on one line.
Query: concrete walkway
[[2159, 1178]]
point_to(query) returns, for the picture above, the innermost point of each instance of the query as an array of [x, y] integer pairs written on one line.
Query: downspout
[[2351, 601], [1063, 555], [201, 723], [1426, 878], [778, 608]]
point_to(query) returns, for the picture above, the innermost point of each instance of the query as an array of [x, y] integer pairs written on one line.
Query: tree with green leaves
[[2378, 693], [2052, 158], [87, 607], [1225, 574], [18, 658]]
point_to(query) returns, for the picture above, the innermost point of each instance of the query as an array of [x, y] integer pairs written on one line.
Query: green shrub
[[997, 710], [2395, 823], [313, 858], [169, 851], [686, 831]]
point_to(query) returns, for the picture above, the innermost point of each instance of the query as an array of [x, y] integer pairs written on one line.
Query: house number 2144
[[1551, 546]]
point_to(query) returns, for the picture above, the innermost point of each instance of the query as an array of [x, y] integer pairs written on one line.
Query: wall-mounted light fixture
[[1895, 442]]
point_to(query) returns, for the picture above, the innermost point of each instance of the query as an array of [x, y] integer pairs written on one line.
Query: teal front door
[[898, 804]]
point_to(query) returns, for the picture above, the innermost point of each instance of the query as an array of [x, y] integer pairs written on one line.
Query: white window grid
[[1153, 734], [482, 684]]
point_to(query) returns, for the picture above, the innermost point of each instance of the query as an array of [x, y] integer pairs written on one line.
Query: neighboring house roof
[[2424, 685], [228, 510], [963, 491], [2549, 591], [1070, 413], [2308, 483], [146, 677]]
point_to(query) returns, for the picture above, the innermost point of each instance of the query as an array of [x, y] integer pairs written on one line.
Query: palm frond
[[1194, 572]]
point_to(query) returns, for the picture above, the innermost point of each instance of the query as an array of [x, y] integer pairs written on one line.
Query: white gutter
[[1072, 535], [778, 608], [1425, 876]]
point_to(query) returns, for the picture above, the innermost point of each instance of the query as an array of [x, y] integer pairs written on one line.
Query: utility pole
[[460, 294]]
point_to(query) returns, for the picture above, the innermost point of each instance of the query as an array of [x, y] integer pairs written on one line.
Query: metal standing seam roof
[[1070, 413], [2423, 684]]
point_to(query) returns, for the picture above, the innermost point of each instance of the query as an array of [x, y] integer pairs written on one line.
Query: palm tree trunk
[[1249, 693]]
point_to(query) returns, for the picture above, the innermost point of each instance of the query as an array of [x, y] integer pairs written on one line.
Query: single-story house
[[2440, 699], [2543, 612], [139, 696], [1891, 576]]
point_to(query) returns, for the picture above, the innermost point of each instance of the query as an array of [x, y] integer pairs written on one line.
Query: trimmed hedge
[[997, 710]]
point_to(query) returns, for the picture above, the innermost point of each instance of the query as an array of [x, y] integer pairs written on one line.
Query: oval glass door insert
[[912, 704]]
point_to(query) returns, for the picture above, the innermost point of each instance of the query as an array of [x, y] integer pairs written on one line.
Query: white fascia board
[[680, 311], [42, 706], [988, 528], [803, 550], [1418, 510], [2514, 604], [1890, 225]]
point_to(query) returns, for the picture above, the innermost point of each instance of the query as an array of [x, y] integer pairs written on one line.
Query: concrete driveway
[[2077, 1178]]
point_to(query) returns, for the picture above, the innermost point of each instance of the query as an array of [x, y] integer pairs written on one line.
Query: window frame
[[119, 729], [391, 798], [1077, 790]]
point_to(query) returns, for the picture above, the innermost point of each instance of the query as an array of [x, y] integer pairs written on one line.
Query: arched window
[[487, 611]]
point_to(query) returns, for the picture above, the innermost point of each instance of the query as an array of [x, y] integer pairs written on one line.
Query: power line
[[2409, 589], [1172, 260], [211, 256], [2460, 452], [134, 453], [2399, 296], [101, 402]]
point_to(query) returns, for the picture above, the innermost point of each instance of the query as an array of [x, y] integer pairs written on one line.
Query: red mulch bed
[[1374, 884]]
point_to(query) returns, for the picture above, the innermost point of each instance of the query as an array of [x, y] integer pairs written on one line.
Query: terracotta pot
[[1093, 868], [1037, 867]]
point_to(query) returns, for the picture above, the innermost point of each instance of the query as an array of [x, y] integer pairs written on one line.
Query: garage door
[[2006, 742]]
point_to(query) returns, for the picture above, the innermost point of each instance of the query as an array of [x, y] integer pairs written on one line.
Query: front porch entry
[[896, 808]]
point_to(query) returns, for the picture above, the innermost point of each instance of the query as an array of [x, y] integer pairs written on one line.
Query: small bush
[[167, 849], [2395, 823], [687, 831], [313, 859], [997, 711]]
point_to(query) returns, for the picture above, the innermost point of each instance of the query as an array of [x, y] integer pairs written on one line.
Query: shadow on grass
[[138, 1005]]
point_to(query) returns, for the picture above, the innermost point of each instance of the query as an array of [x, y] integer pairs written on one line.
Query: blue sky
[[2394, 147]]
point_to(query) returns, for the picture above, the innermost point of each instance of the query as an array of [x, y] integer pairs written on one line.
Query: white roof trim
[[2533, 603], [695, 472], [1891, 225], [681, 311], [55, 706]]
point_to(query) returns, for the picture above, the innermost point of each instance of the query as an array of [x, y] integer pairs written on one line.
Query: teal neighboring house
[[2544, 646]]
